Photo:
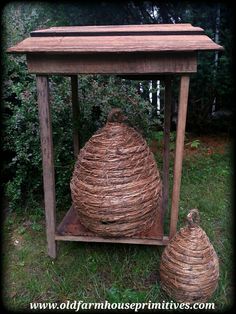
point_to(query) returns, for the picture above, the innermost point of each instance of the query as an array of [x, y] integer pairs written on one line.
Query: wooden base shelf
[[70, 229]]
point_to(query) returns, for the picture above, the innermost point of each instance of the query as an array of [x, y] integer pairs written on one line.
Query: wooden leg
[[182, 113], [48, 162], [166, 151], [75, 113]]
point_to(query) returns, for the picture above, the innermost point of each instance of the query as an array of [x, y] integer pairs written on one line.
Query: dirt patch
[[153, 278], [208, 144], [155, 146], [17, 240]]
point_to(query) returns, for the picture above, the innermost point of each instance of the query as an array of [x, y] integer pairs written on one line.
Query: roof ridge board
[[117, 33]]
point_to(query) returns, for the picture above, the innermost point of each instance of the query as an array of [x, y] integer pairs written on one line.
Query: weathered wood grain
[[72, 226], [179, 150], [163, 241], [48, 161], [75, 113], [166, 148], [114, 44], [110, 64]]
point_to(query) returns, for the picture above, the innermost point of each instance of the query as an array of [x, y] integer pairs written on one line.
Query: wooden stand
[[132, 51], [71, 229], [65, 233]]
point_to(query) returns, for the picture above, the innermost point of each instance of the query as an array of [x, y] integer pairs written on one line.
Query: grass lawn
[[121, 273]]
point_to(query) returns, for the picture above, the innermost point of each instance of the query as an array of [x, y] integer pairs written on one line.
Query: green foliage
[[158, 136], [21, 136], [214, 81], [194, 144], [98, 94], [115, 295]]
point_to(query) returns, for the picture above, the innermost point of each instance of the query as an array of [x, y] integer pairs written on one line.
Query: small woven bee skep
[[116, 186], [189, 268]]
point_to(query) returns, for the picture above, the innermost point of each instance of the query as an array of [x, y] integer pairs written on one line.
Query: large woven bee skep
[[189, 269], [116, 187]]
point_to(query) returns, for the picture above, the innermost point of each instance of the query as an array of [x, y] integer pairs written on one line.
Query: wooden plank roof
[[117, 39], [112, 30]]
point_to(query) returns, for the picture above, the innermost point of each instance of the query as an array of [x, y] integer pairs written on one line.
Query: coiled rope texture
[[116, 186], [189, 268]]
